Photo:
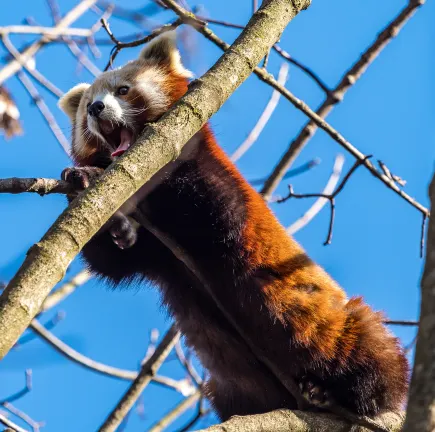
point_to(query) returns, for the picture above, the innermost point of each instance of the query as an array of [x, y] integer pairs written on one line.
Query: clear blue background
[[375, 248]]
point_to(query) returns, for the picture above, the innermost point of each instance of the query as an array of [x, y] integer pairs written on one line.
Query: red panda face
[[108, 115]]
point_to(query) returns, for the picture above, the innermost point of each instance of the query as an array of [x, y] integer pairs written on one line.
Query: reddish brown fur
[[299, 317]]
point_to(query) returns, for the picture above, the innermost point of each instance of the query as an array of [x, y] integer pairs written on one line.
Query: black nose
[[95, 109]]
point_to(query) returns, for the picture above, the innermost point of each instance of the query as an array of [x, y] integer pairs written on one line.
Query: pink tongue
[[125, 143]]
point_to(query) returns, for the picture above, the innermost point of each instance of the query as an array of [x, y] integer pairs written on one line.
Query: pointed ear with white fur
[[70, 101], [163, 51]]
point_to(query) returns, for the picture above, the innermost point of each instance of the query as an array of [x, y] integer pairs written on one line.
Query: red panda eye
[[123, 90]]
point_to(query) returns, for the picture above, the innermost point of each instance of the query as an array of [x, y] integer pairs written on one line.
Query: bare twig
[[41, 186], [121, 45], [45, 31], [23, 416], [292, 173], [144, 377], [264, 118], [201, 412], [277, 48], [65, 290], [402, 322], [45, 111], [187, 364], [423, 229], [336, 95], [318, 121], [321, 201], [179, 409], [93, 365], [72, 45], [14, 66], [10, 424], [19, 394], [285, 55], [329, 197], [31, 70], [49, 325]]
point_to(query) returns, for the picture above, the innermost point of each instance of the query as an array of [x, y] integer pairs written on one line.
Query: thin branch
[[292, 173], [93, 365], [187, 364], [72, 45], [146, 374], [285, 55], [65, 290], [74, 14], [402, 322], [321, 201], [423, 229], [335, 96], [201, 413], [10, 424], [19, 394], [45, 111], [178, 410], [49, 325], [329, 197], [41, 186], [44, 31], [318, 121], [23, 416], [264, 117], [121, 45], [30, 69]]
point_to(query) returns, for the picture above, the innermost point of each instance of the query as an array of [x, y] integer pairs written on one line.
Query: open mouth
[[117, 136]]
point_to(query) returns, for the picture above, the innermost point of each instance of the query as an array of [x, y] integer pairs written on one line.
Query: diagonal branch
[[321, 201], [336, 95], [146, 374], [317, 120], [160, 143], [70, 353], [13, 66], [178, 410], [264, 118]]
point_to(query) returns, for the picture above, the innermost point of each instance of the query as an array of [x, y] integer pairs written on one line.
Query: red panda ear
[[163, 52], [70, 101]]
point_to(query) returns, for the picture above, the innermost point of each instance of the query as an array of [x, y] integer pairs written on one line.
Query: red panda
[[336, 349]]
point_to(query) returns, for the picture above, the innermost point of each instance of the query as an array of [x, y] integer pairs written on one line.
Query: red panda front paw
[[314, 393], [81, 177], [123, 233]]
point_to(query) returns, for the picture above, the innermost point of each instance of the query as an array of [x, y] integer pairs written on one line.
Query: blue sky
[[375, 247]]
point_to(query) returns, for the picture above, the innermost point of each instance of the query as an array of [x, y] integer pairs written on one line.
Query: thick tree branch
[[421, 406], [160, 143], [299, 421]]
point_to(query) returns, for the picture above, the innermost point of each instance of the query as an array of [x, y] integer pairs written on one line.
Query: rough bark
[[299, 421], [161, 142], [421, 407]]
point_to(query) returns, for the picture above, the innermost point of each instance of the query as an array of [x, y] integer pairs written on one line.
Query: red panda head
[[108, 115]]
